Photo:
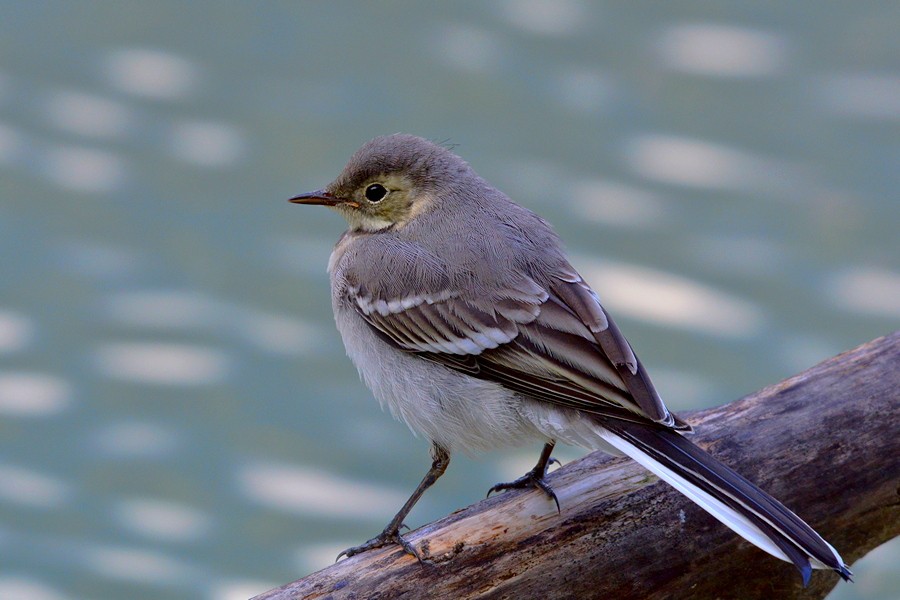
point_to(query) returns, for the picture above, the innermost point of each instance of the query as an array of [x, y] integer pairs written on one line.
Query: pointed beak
[[323, 198]]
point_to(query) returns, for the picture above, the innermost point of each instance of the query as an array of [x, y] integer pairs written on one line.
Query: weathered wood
[[826, 442]]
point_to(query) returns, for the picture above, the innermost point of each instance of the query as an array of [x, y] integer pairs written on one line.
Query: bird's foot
[[534, 478], [391, 535]]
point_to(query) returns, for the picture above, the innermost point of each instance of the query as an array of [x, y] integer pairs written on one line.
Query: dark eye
[[376, 192]]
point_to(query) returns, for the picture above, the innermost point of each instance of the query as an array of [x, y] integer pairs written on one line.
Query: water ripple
[[617, 204], [84, 169], [162, 363], [26, 588], [16, 331], [25, 394], [867, 290], [697, 163], [162, 520], [310, 491], [151, 73], [135, 439], [12, 145], [545, 17], [672, 300], [864, 95], [240, 589], [468, 48], [722, 50], [207, 143], [138, 565], [26, 486], [88, 115]]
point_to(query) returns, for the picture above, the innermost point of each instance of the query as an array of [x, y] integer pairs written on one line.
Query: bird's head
[[390, 180]]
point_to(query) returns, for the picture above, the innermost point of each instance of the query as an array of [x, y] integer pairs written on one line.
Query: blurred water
[[177, 418]]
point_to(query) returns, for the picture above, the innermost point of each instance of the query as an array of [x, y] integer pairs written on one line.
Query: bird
[[464, 317]]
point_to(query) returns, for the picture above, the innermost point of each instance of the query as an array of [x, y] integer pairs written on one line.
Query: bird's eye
[[376, 192]]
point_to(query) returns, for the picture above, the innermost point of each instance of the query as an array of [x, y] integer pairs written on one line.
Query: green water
[[177, 417]]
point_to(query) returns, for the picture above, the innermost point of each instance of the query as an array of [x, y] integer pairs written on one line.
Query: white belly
[[452, 409]]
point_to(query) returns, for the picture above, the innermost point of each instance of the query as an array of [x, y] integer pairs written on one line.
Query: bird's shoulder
[[471, 252], [379, 268]]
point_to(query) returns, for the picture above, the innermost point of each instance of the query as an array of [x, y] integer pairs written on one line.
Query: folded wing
[[554, 344]]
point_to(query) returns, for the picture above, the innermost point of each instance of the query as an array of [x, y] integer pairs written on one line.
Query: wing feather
[[582, 299], [556, 345]]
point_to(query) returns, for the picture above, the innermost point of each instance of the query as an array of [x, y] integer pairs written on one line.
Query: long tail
[[747, 510]]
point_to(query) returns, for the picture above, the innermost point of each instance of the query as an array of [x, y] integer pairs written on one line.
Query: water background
[[177, 416]]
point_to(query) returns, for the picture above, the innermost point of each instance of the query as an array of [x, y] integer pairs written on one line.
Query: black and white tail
[[747, 510]]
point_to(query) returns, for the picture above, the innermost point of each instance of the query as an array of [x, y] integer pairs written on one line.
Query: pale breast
[[455, 410]]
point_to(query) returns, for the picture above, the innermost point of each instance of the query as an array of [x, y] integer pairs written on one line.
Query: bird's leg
[[391, 533], [535, 477]]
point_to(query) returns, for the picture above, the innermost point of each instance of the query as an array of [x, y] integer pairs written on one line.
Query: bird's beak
[[322, 197]]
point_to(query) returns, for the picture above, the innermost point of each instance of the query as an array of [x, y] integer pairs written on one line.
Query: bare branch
[[825, 442]]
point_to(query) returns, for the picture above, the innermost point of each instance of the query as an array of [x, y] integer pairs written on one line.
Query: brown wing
[[556, 345]]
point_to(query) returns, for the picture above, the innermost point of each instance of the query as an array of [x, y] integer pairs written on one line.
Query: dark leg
[[535, 477], [391, 533]]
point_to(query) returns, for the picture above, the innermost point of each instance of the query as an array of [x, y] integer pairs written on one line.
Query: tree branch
[[825, 442]]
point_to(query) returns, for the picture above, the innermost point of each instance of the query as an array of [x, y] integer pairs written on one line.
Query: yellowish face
[[390, 181], [379, 202]]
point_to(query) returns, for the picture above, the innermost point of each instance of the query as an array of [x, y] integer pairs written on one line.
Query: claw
[[532, 479], [385, 538]]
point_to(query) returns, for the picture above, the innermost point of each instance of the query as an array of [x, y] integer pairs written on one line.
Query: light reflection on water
[[714, 50], [151, 73], [307, 490], [670, 300], [25, 394], [177, 418], [25, 486]]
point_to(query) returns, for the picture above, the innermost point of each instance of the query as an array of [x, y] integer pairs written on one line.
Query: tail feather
[[726, 495]]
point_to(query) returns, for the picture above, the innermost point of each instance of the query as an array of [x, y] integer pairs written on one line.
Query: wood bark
[[825, 442]]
